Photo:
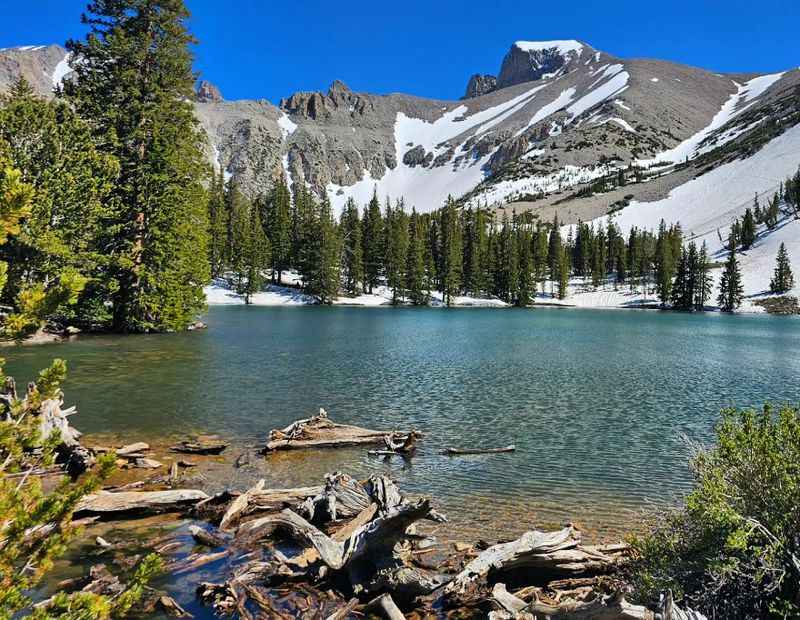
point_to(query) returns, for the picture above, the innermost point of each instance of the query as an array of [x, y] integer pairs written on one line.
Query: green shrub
[[733, 550]]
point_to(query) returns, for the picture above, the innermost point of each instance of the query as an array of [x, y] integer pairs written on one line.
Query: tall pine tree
[[133, 82], [783, 278], [730, 286]]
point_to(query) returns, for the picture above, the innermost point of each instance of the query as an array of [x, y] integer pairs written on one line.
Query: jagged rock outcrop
[[208, 92], [417, 157], [529, 61], [480, 85]]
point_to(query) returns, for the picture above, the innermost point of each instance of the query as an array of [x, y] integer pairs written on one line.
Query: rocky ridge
[[558, 114]]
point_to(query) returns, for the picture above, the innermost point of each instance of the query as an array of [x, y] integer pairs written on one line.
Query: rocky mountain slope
[[557, 116]]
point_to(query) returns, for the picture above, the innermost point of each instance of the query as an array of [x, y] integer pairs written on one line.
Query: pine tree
[[396, 250], [254, 254], [783, 278], [563, 274], [352, 250], [279, 228], [757, 213], [373, 240], [133, 81], [55, 153], [324, 255], [416, 273], [218, 226], [681, 294], [730, 287], [665, 264], [705, 282], [773, 212], [452, 257], [748, 230], [554, 248], [526, 289]]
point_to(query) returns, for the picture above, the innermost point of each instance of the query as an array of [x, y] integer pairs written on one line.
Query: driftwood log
[[321, 432], [460, 451], [107, 503]]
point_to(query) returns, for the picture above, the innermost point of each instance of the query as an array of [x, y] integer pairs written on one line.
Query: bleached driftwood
[[465, 451], [259, 499], [104, 502], [398, 444], [321, 432], [342, 498], [386, 606], [554, 553]]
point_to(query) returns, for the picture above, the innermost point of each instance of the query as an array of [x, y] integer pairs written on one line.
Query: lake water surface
[[596, 402]]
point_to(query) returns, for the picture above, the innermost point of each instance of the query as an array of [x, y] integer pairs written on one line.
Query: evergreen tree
[[396, 250], [783, 278], [665, 264], [730, 287], [748, 230], [416, 273], [372, 240], [554, 249], [526, 289], [773, 212], [254, 254], [757, 213], [352, 250], [705, 282], [681, 295], [324, 255], [563, 274], [218, 226], [279, 228], [71, 179], [451, 249], [133, 81]]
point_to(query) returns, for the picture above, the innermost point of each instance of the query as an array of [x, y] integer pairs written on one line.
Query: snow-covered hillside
[[706, 206]]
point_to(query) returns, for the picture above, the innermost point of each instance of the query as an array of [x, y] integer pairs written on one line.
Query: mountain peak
[[562, 47]]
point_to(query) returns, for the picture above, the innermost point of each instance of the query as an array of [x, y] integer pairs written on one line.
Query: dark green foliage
[[218, 226], [352, 249], [324, 254], [417, 280], [748, 231], [373, 242], [396, 251], [783, 278], [451, 252], [279, 228], [133, 83], [733, 550], [730, 287]]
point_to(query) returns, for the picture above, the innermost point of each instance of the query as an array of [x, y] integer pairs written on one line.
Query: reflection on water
[[595, 401]]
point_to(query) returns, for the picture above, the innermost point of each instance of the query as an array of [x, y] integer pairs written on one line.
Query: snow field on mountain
[[706, 207]]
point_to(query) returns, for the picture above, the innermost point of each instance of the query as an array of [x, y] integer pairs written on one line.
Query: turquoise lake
[[598, 403]]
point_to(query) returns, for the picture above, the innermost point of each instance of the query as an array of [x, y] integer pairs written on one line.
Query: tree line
[[473, 252]]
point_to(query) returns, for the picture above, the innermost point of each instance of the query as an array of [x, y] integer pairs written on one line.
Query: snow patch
[[286, 125], [61, 71], [563, 47], [612, 87], [744, 94]]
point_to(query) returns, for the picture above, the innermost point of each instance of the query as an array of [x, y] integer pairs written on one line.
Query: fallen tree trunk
[[551, 554], [460, 451], [104, 502], [321, 432]]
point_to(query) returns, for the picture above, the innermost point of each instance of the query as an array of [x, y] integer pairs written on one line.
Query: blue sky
[[270, 49]]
